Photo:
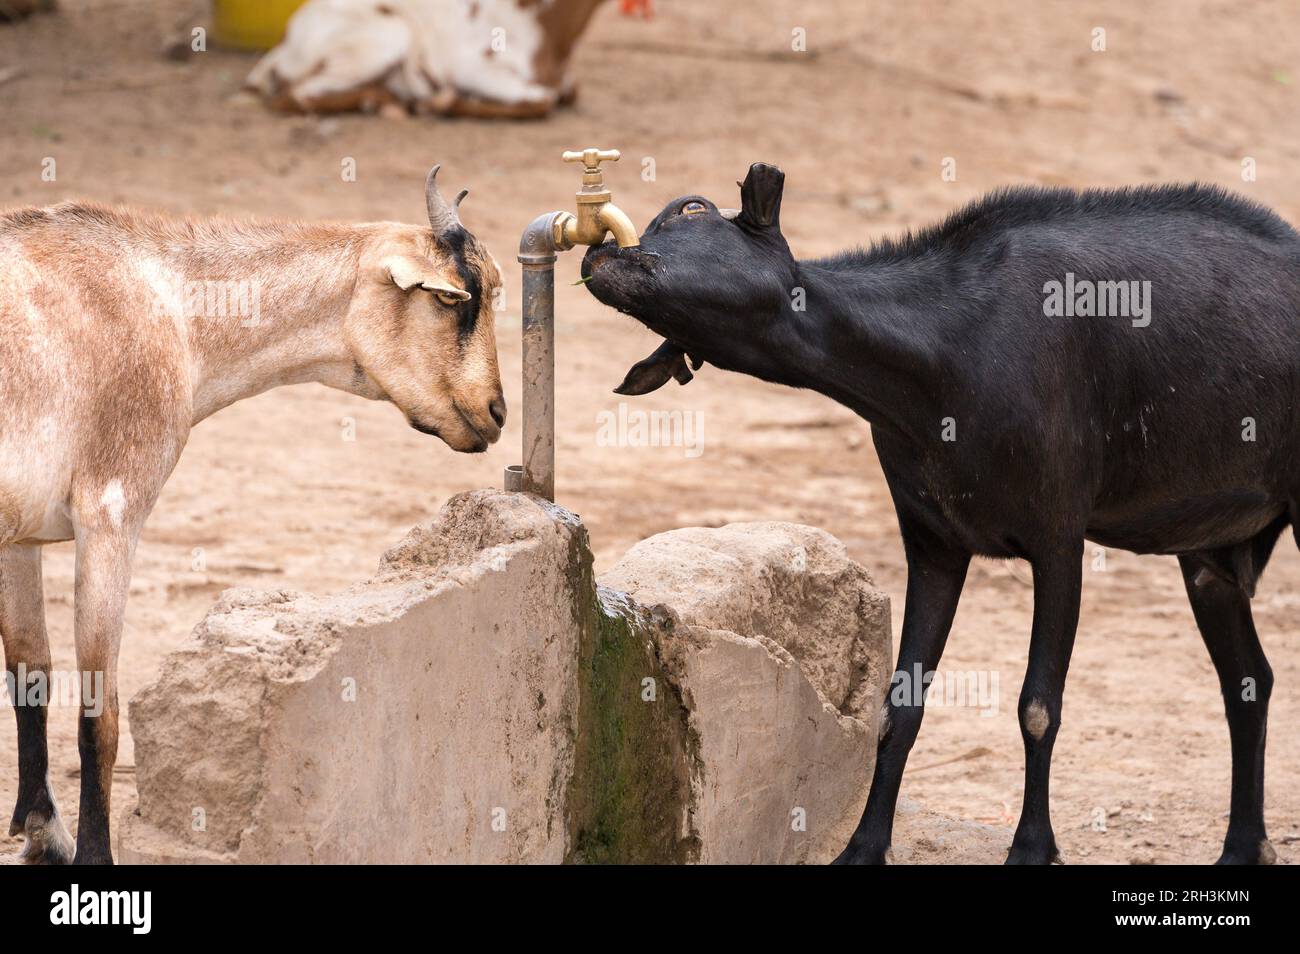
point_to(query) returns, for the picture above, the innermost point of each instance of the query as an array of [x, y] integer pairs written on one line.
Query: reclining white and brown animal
[[491, 58], [120, 331]]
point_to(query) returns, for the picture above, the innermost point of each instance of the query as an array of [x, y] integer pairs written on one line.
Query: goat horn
[[442, 217]]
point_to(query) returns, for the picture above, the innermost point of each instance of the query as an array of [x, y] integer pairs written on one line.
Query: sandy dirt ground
[[270, 492]]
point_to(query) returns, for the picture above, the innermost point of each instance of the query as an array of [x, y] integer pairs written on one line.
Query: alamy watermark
[[1085, 298], [212, 298], [971, 689], [75, 906], [54, 688], [634, 428]]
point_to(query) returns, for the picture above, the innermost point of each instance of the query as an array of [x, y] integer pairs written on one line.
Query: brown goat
[[119, 332]]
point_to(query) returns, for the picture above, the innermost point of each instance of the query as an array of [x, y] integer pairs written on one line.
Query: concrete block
[[482, 699]]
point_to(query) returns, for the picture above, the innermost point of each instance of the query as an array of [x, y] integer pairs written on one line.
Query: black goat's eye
[[694, 208]]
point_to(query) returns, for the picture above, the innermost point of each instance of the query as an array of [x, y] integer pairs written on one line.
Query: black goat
[[1044, 367]]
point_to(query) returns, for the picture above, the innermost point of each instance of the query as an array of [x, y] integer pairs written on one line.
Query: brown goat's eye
[[451, 301], [694, 208]]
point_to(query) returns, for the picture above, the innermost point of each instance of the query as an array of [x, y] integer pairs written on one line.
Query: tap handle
[[591, 158]]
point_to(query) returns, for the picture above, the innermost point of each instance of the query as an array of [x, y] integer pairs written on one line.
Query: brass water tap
[[549, 233], [597, 215]]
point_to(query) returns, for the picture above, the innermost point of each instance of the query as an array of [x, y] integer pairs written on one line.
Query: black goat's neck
[[866, 337]]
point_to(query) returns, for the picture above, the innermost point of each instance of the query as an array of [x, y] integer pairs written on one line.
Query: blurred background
[[883, 115]]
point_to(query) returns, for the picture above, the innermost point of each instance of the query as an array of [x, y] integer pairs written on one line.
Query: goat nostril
[[497, 408]]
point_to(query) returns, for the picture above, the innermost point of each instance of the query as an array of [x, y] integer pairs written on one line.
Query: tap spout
[[596, 214], [615, 220]]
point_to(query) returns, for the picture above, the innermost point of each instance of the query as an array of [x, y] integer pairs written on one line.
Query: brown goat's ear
[[407, 273], [760, 197]]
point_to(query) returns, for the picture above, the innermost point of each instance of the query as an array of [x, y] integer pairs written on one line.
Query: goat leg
[[103, 576], [936, 573], [1222, 610], [27, 657], [1057, 583]]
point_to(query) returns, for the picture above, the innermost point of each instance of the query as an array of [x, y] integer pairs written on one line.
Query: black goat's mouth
[[608, 254], [617, 276]]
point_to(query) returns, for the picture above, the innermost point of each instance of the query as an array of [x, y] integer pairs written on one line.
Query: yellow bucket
[[251, 24]]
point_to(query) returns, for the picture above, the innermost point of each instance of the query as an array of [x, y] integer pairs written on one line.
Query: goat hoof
[[1035, 853], [1256, 853], [48, 841], [864, 855]]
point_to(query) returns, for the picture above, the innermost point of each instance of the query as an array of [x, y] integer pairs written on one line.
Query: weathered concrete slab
[[482, 700], [427, 715], [780, 656]]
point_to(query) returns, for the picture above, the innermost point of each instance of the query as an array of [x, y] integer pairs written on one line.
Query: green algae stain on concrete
[[628, 799]]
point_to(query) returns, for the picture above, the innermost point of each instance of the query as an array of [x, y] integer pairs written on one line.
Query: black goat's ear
[[760, 197], [650, 374]]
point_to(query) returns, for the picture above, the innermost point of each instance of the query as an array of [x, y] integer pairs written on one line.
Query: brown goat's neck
[[262, 306]]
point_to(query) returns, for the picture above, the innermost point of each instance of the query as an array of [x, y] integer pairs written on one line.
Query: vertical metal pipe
[[539, 378], [537, 248], [547, 234]]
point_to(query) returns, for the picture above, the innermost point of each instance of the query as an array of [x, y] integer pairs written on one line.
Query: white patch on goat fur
[[883, 729], [167, 294], [507, 75], [114, 503], [1036, 719]]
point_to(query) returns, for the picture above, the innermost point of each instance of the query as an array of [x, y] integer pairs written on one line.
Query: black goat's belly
[[1204, 523]]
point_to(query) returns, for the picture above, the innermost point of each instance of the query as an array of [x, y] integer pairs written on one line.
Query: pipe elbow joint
[[538, 245]]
